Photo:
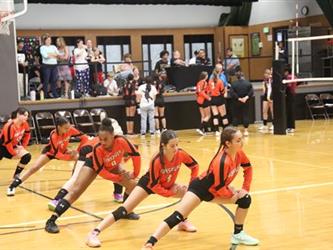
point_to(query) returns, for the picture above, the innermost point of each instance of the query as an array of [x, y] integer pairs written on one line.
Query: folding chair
[[84, 121], [33, 128], [315, 106], [65, 114], [327, 100], [98, 115], [45, 124]]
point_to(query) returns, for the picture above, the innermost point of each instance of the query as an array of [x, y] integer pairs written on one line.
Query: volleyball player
[[267, 104], [214, 186], [160, 179], [218, 102], [203, 100], [129, 96], [56, 149], [160, 120], [104, 160], [14, 139]]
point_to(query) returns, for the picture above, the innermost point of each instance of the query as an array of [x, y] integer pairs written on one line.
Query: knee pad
[[174, 219], [119, 213], [156, 117], [129, 118], [244, 202], [25, 159], [162, 117]]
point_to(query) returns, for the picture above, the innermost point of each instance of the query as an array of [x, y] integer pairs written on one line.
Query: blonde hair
[[62, 43]]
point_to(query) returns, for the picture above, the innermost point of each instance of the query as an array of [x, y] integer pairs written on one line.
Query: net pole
[[292, 60], [297, 25]]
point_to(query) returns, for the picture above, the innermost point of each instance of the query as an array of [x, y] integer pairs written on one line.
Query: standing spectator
[[193, 60], [64, 73], [147, 94], [267, 104], [203, 100], [176, 60], [22, 60], [111, 85], [232, 63], [290, 100], [163, 62], [90, 52], [202, 58], [98, 59], [241, 92], [81, 68], [49, 54]]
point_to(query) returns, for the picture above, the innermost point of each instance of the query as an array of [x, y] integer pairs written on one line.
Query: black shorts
[[205, 104], [84, 151], [143, 183], [4, 153], [159, 101], [218, 100], [200, 188], [130, 102]]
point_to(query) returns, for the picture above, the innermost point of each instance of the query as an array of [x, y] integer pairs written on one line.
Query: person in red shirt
[[160, 179], [105, 160], [218, 102], [203, 100], [214, 185], [56, 149], [14, 140]]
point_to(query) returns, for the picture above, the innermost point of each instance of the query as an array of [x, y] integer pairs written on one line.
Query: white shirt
[[111, 87], [80, 57], [152, 94], [192, 60]]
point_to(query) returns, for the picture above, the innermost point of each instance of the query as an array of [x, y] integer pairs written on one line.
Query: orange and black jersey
[[107, 162], [58, 144], [202, 91], [216, 88], [13, 135], [163, 176], [222, 171]]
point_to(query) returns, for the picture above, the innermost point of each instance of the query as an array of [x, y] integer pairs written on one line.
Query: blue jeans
[[147, 112], [50, 74]]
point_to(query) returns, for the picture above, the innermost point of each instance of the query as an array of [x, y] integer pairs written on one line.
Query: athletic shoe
[[148, 246], [243, 238], [132, 216], [290, 130], [158, 132], [246, 133], [263, 127], [11, 191], [271, 128], [118, 198], [92, 240], [52, 205], [200, 131], [217, 133], [51, 227], [187, 227]]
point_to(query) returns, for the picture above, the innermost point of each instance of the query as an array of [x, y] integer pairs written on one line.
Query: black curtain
[[238, 16], [327, 8]]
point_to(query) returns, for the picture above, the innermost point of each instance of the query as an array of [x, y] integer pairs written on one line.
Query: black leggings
[[240, 112]]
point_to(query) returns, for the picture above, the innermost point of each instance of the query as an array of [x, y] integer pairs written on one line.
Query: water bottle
[[41, 95], [72, 94], [33, 95]]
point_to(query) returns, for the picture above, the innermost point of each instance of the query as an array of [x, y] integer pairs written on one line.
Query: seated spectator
[[176, 60], [126, 68], [202, 59], [111, 85], [163, 62], [232, 62]]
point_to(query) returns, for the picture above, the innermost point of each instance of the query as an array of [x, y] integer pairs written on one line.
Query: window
[[197, 42], [113, 49], [151, 48]]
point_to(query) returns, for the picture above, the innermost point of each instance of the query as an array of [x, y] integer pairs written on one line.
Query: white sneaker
[[243, 238], [92, 240], [290, 130], [246, 133], [217, 133], [200, 131], [10, 191], [271, 128], [263, 127], [158, 132]]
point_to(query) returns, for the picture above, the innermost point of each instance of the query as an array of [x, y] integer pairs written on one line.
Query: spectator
[[50, 55], [241, 92], [81, 68], [163, 62], [90, 54], [111, 85], [22, 60], [232, 62], [98, 59], [146, 95], [64, 73], [194, 58], [126, 68], [219, 70], [176, 60], [202, 59], [283, 54]]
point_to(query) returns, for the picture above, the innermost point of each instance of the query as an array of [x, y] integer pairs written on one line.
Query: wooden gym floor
[[291, 190]]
